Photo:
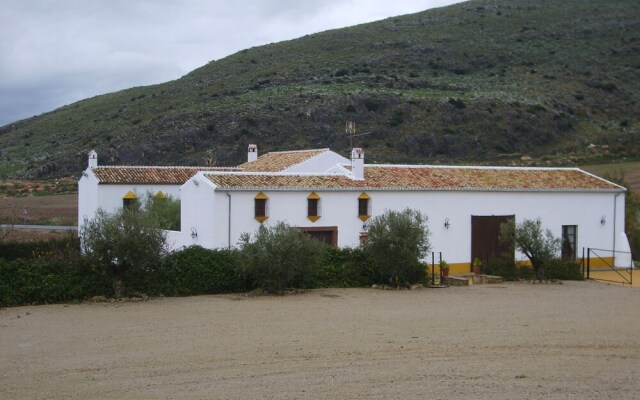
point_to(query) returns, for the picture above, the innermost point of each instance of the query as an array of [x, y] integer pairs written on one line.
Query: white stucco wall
[[319, 164], [197, 211], [208, 211], [93, 196]]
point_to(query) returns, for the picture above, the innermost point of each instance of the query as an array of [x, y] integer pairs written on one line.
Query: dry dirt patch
[[576, 340]]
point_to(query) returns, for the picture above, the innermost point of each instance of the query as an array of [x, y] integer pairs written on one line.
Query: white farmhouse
[[332, 198]]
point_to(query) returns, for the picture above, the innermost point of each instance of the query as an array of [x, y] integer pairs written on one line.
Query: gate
[[600, 267]]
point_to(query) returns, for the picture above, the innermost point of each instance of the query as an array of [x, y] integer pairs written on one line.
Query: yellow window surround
[[367, 198], [314, 196], [130, 195], [264, 198], [160, 195]]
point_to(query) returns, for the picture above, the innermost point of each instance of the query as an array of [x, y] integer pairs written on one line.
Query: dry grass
[[43, 210]]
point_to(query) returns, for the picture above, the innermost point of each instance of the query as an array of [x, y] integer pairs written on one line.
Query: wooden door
[[485, 238]]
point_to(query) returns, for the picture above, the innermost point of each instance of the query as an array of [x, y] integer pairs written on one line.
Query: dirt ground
[[578, 340], [46, 210]]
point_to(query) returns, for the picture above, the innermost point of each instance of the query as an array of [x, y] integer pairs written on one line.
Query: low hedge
[[56, 248], [195, 270], [345, 267], [554, 269], [41, 281]]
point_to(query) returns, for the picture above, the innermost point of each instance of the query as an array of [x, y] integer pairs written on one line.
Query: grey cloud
[[56, 52]]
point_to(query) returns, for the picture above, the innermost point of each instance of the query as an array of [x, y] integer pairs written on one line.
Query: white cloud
[[56, 52]]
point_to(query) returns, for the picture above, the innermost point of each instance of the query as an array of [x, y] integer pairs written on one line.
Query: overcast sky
[[56, 52]]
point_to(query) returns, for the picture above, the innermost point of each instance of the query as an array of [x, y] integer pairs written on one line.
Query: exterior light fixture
[[365, 227], [194, 233], [603, 220], [446, 223]]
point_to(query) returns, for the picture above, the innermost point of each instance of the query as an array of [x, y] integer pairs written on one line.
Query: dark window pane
[[312, 207], [363, 206], [261, 207]]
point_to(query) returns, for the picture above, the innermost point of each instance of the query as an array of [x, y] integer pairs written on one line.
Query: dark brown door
[[485, 238], [325, 234]]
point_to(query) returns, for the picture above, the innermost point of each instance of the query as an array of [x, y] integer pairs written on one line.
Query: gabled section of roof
[[389, 177], [276, 161], [149, 175]]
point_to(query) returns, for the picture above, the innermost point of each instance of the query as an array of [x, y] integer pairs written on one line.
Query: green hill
[[486, 81]]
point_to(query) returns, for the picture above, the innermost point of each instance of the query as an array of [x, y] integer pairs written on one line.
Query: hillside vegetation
[[485, 81]]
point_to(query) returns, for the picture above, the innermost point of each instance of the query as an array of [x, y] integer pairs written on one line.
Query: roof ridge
[[296, 151], [166, 167], [485, 167]]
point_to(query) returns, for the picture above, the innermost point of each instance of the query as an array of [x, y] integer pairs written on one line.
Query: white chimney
[[357, 163], [93, 159], [252, 153]]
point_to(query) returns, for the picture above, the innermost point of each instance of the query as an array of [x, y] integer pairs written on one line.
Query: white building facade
[[332, 198]]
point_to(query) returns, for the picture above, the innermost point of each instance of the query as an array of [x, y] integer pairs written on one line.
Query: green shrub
[[396, 243], [41, 281], [507, 269], [279, 257], [195, 270], [563, 270], [56, 248], [348, 267]]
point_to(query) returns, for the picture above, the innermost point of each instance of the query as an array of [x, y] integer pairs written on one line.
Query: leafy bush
[[123, 242], [540, 246], [164, 210], [507, 269], [57, 248], [195, 270], [396, 243], [279, 257], [346, 267], [40, 281], [563, 270]]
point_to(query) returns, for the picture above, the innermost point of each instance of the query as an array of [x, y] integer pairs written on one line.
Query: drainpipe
[[229, 222], [615, 208]]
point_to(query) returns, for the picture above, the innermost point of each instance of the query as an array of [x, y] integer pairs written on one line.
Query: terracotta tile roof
[[279, 160], [425, 178], [149, 175]]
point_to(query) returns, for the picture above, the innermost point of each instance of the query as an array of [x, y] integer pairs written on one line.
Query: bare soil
[[576, 340], [42, 210]]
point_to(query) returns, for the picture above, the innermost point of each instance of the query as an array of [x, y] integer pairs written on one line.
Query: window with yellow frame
[[261, 207], [313, 207], [364, 206]]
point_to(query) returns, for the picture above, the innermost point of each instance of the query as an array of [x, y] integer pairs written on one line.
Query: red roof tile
[[280, 160], [149, 175], [427, 178]]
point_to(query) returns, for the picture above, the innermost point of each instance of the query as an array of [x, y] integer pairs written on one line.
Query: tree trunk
[[540, 272], [119, 287]]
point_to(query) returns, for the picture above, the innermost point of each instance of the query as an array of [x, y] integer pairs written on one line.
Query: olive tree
[[538, 245], [279, 257], [396, 242], [121, 242], [164, 210]]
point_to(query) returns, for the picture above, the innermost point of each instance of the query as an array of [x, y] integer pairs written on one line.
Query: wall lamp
[[365, 227], [194, 233], [603, 220], [446, 223]]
